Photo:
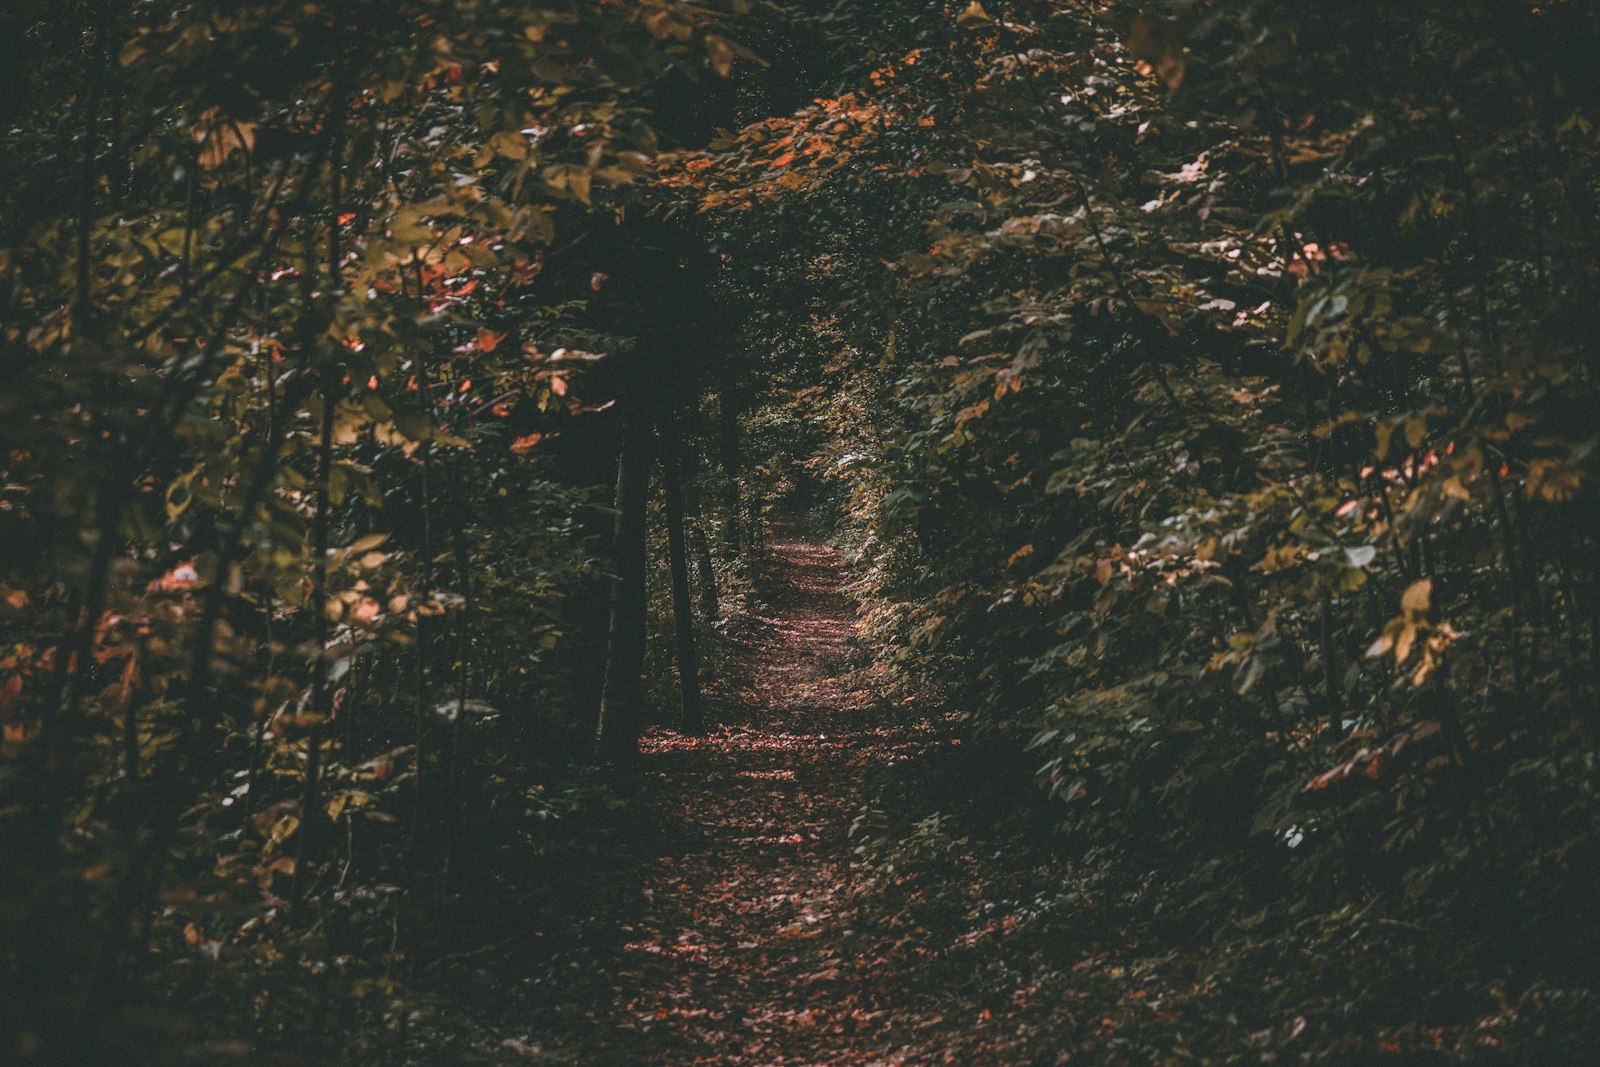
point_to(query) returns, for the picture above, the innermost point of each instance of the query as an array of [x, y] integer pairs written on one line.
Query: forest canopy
[[411, 408]]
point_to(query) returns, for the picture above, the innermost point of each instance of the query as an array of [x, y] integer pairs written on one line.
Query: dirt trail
[[741, 953]]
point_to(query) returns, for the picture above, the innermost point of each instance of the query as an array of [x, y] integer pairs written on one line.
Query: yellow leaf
[[973, 15], [1385, 433], [282, 829], [719, 52], [578, 182], [510, 145]]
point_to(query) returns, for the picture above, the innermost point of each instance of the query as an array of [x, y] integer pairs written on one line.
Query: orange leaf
[[182, 576], [219, 137], [10, 691], [1416, 598], [20, 732]]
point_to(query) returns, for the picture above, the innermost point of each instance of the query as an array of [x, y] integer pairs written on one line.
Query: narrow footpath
[[742, 956], [740, 951], [751, 933]]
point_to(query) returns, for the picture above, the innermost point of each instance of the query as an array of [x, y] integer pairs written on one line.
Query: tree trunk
[[728, 442], [682, 607], [311, 813], [457, 790], [700, 544], [621, 716]]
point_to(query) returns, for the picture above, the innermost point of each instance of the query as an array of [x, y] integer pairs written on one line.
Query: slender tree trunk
[[311, 807], [311, 794], [756, 533], [728, 444], [258, 738], [621, 714], [463, 560], [413, 914], [700, 545], [88, 169], [692, 720], [422, 689], [269, 605]]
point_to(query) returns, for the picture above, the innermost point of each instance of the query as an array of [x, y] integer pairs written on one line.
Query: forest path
[[741, 953]]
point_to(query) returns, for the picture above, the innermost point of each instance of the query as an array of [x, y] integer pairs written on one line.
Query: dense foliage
[[1211, 390], [1204, 393], [306, 452]]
